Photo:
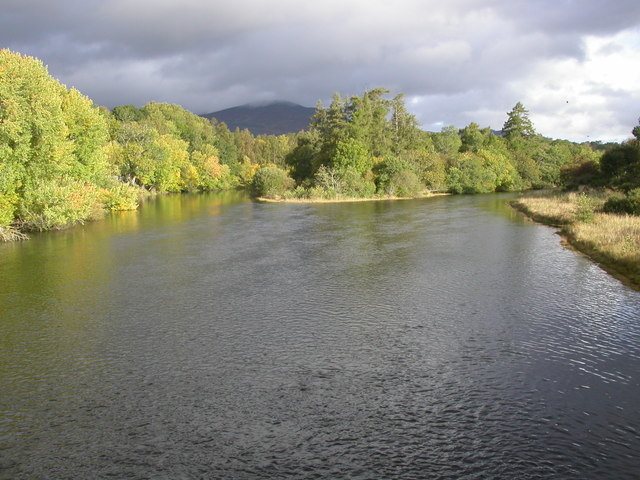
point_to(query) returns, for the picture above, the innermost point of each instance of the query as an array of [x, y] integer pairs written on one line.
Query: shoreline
[[342, 200], [628, 276]]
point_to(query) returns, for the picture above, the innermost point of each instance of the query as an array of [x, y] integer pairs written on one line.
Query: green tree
[[395, 176], [621, 165], [171, 160], [51, 148], [367, 120], [504, 172], [518, 123], [472, 138], [351, 153], [127, 113], [448, 141], [404, 126], [209, 173], [636, 131], [331, 125], [434, 172], [468, 174], [302, 159]]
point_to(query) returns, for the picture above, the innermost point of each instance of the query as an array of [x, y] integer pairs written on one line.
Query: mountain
[[274, 118]]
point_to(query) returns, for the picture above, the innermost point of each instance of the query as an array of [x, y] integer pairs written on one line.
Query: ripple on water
[[428, 339]]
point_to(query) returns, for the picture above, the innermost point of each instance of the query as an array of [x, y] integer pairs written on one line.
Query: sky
[[574, 64]]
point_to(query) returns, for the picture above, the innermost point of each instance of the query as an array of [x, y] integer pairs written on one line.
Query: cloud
[[454, 60]]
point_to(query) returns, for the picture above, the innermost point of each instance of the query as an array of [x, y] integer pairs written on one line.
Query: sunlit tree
[[518, 123]]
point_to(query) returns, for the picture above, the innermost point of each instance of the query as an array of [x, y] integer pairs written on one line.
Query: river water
[[212, 337]]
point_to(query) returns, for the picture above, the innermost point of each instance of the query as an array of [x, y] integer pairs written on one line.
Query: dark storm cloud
[[452, 58]]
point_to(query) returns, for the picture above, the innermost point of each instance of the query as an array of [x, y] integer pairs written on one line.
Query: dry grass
[[550, 210], [613, 240], [558, 209]]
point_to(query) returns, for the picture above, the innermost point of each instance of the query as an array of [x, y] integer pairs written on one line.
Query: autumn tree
[[53, 170]]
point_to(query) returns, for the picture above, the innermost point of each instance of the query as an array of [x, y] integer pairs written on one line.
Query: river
[[208, 336]]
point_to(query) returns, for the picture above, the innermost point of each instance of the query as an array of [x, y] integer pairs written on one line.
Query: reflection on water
[[211, 337]]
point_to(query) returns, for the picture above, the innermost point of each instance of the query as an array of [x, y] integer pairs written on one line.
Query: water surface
[[211, 337]]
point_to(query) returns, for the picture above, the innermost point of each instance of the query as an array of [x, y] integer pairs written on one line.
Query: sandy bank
[[343, 200]]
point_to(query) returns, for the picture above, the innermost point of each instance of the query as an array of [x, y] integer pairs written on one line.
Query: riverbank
[[612, 241], [343, 199]]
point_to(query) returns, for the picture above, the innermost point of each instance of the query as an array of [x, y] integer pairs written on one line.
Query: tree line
[[64, 160], [371, 145]]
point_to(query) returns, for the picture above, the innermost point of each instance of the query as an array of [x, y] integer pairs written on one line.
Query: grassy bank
[[609, 239]]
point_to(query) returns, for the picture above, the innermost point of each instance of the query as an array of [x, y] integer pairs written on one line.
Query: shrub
[[319, 193], [7, 207], [621, 164], [404, 183], [355, 185], [468, 174], [584, 212], [271, 182], [582, 172], [397, 177], [621, 204], [121, 197], [59, 205]]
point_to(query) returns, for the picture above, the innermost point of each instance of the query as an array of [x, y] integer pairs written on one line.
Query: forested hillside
[[274, 118]]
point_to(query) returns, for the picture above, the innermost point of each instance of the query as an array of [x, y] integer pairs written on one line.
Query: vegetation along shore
[[593, 224], [64, 161]]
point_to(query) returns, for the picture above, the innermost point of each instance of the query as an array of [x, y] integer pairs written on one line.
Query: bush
[[320, 193], [585, 208], [621, 164], [355, 185], [468, 174], [582, 172], [397, 177], [7, 207], [624, 204], [121, 197], [271, 182], [49, 205], [404, 183]]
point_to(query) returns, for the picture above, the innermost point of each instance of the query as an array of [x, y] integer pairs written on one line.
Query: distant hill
[[276, 118]]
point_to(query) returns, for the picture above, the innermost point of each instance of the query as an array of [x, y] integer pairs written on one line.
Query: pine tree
[[518, 123]]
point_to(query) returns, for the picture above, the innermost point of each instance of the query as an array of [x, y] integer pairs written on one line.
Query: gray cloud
[[455, 59]]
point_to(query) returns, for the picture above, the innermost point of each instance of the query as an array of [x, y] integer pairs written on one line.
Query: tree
[[404, 126], [469, 174], [621, 165], [367, 116], [331, 125], [518, 123], [448, 141], [52, 160], [301, 159], [636, 131], [351, 153], [472, 138], [127, 113]]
